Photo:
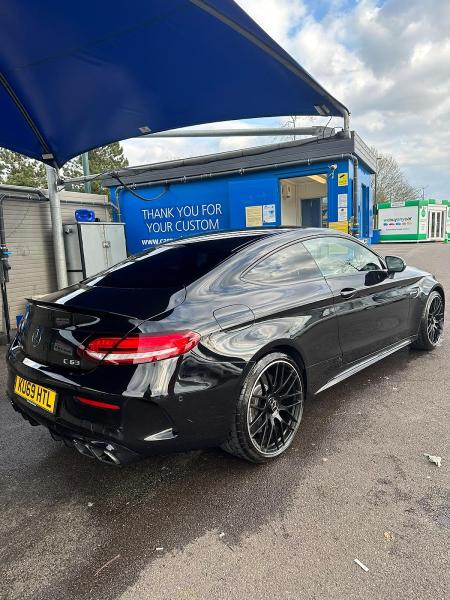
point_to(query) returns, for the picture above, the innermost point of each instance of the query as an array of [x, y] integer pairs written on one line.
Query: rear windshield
[[171, 265]]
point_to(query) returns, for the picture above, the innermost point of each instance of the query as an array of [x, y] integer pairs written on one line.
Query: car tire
[[269, 409], [431, 323]]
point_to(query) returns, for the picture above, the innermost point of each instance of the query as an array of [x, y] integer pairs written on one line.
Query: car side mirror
[[395, 264]]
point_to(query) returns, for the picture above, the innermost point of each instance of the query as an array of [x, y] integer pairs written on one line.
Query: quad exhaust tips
[[100, 450], [105, 452]]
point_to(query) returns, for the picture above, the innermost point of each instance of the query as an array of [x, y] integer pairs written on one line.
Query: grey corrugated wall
[[29, 238]]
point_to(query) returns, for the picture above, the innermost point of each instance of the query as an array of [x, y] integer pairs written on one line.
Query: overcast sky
[[388, 61]]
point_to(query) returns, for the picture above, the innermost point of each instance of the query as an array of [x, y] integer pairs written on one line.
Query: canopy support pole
[[86, 171], [4, 275], [57, 229], [346, 115]]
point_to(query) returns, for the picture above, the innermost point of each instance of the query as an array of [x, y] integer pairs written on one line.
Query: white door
[[436, 223], [102, 246], [114, 243], [443, 223], [93, 254]]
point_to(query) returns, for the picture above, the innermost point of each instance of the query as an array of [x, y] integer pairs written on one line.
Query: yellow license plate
[[36, 394]]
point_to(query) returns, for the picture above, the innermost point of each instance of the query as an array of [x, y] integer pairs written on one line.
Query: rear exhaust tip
[[102, 451], [112, 457], [83, 449]]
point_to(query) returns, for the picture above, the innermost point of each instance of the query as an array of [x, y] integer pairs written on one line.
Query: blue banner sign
[[183, 220], [174, 215]]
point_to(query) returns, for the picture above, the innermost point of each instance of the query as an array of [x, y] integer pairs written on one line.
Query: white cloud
[[277, 17], [388, 62]]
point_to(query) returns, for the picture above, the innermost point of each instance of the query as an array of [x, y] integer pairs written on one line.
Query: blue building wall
[[365, 209], [185, 209]]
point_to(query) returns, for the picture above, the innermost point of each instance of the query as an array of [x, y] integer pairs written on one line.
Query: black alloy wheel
[[435, 320], [269, 409], [432, 323]]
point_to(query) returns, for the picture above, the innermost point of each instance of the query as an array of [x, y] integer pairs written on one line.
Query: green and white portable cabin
[[414, 221]]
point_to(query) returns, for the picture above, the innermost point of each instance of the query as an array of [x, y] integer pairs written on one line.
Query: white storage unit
[[92, 247], [414, 221]]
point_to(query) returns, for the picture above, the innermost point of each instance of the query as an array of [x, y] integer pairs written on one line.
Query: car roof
[[232, 233], [261, 232]]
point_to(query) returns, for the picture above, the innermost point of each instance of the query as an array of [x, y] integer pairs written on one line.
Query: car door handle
[[348, 292]]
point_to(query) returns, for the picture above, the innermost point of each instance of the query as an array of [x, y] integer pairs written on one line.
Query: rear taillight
[[140, 348], [97, 403]]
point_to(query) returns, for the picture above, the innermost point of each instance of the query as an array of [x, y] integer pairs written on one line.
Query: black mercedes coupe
[[214, 341]]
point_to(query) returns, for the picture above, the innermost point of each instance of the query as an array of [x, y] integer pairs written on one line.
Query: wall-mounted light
[[332, 168]]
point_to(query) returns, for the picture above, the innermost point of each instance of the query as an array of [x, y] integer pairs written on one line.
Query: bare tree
[[291, 123], [392, 184]]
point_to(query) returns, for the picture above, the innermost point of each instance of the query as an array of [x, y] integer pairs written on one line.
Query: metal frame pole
[[4, 275], [57, 230], [86, 171], [346, 115], [317, 130]]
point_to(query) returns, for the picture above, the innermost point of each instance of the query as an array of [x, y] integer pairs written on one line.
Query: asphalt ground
[[355, 484]]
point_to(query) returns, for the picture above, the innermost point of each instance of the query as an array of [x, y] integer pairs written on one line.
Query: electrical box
[[92, 247]]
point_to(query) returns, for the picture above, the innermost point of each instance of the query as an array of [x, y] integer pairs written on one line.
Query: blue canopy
[[78, 75]]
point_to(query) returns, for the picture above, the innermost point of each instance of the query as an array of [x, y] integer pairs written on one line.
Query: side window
[[339, 256], [290, 264]]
